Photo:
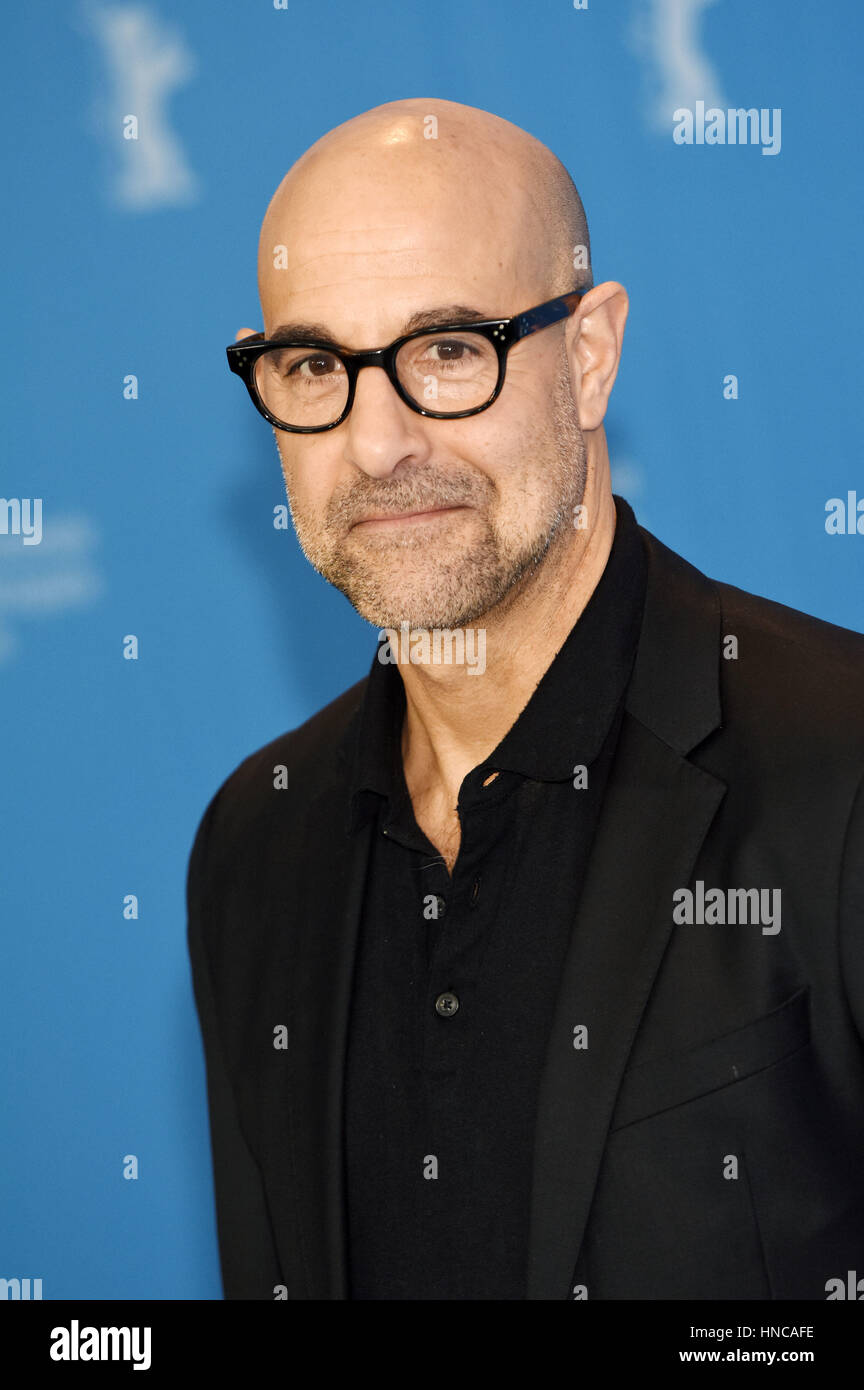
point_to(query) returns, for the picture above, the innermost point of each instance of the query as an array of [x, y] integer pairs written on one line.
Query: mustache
[[415, 493]]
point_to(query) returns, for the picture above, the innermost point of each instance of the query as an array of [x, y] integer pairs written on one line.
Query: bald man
[[531, 967]]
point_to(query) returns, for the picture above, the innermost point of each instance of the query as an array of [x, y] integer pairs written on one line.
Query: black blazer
[[709, 1141]]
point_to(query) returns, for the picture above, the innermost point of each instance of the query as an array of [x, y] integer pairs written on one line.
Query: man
[[534, 973]]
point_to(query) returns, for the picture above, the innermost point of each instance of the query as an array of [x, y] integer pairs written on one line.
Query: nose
[[381, 430]]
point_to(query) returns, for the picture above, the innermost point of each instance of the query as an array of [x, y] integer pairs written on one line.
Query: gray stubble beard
[[466, 588]]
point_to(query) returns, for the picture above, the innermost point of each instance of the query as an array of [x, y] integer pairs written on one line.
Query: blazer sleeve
[[247, 1252], [852, 910]]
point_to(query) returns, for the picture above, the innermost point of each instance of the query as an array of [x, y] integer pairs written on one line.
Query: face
[[432, 522]]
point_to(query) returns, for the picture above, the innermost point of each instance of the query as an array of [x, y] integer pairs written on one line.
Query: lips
[[407, 516]]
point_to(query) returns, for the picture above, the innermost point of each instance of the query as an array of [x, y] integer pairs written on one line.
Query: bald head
[[424, 188]]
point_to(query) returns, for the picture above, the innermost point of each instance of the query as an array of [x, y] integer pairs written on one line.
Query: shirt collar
[[570, 712]]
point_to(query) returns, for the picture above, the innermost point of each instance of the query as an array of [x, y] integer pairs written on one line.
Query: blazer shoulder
[[791, 635], [779, 681], [796, 679], [310, 754], [781, 634]]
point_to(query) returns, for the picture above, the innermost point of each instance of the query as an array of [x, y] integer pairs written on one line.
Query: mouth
[[407, 518]]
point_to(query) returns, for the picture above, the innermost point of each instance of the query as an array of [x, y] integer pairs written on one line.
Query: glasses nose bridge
[[375, 357], [384, 357]]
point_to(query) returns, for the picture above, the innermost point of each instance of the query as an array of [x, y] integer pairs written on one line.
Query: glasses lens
[[448, 372], [302, 385]]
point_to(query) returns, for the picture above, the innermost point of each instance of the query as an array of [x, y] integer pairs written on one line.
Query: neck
[[453, 718]]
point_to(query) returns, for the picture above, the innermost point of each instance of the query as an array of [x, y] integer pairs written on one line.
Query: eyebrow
[[437, 317]]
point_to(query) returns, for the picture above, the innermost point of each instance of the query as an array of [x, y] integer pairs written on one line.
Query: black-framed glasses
[[447, 372]]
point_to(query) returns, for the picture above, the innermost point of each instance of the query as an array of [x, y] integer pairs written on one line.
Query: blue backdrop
[[137, 259]]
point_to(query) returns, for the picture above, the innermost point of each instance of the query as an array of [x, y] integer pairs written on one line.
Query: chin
[[418, 613]]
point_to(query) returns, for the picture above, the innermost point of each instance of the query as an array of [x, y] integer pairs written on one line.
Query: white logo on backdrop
[[42, 581], [146, 60], [667, 36]]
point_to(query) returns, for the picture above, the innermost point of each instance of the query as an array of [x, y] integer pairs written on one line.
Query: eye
[[318, 365], [452, 349]]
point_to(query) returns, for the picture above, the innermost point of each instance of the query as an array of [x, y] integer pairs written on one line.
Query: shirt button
[[446, 1004]]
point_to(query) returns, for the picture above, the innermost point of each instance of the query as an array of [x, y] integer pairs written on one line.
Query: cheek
[[307, 477], [513, 456], [509, 434]]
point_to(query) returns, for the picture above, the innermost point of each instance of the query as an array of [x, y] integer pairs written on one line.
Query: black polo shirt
[[456, 978]]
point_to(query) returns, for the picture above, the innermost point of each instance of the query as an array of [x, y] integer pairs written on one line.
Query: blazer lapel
[[620, 934], [655, 815]]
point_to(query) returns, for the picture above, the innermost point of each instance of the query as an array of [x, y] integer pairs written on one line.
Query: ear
[[594, 339], [244, 333]]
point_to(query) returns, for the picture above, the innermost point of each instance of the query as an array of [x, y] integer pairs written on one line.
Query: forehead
[[361, 249]]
